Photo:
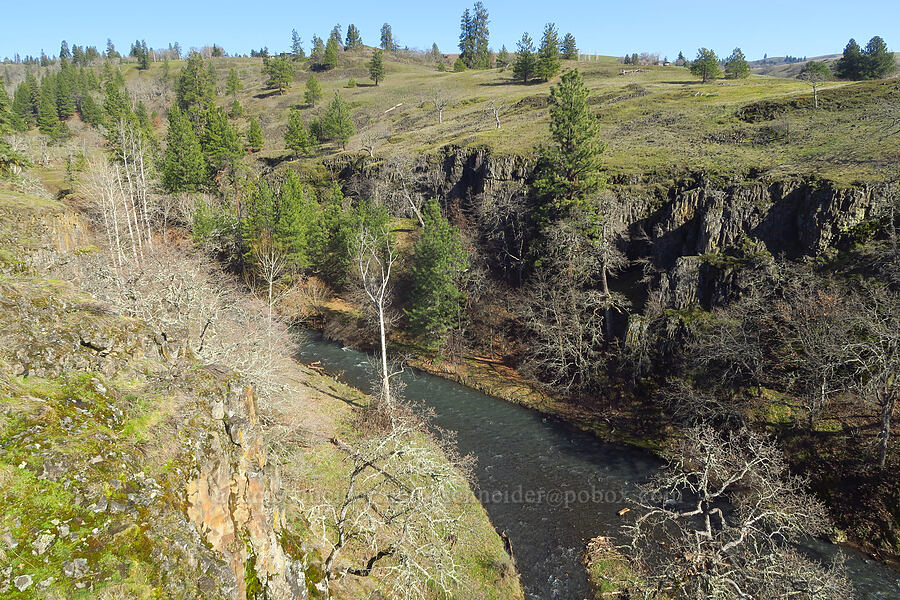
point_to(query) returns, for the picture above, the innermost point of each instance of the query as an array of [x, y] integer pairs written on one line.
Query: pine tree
[[236, 109], [706, 65], [481, 34], [387, 38], [376, 66], [24, 115], [467, 39], [330, 58], [48, 117], [353, 38], [338, 122], [503, 57], [194, 88], [296, 214], [255, 139], [548, 54], [736, 66], [526, 62], [296, 137], [220, 141], [65, 98], [233, 84], [318, 50], [435, 53], [850, 65], [569, 49], [879, 62], [459, 65], [313, 90], [336, 35], [680, 60], [183, 166], [64, 50], [439, 262], [570, 170], [279, 73], [296, 45]]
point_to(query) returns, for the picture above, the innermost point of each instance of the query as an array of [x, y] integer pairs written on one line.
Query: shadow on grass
[[269, 94]]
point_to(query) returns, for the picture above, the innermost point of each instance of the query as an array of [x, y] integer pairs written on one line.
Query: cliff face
[[681, 225], [126, 466]]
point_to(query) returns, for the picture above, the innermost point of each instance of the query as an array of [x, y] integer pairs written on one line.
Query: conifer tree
[[879, 62], [296, 45], [24, 113], [503, 57], [435, 53], [387, 38], [313, 90], [850, 65], [318, 50], [255, 139], [279, 73], [548, 54], [466, 39], [64, 50], [236, 109], [295, 216], [330, 58], [10, 160], [194, 88], [376, 66], [220, 141], [65, 98], [183, 165], [736, 66], [353, 38], [48, 116], [569, 49], [233, 84], [336, 35], [526, 62], [439, 262], [481, 33], [296, 138], [706, 65], [337, 123], [570, 170], [459, 65]]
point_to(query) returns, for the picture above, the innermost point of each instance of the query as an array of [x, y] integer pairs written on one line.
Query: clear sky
[[795, 27]]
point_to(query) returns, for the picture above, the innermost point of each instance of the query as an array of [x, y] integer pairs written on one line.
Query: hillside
[[131, 466]]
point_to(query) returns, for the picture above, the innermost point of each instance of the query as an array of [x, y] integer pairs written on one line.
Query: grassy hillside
[[659, 120]]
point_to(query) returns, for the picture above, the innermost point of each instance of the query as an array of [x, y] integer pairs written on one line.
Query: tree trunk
[[887, 409]]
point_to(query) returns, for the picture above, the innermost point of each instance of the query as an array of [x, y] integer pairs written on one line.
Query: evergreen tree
[[481, 34], [503, 57], [296, 137], [254, 136], [23, 109], [337, 123], [313, 90], [387, 38], [459, 65], [736, 66], [467, 39], [318, 50], [64, 50], [220, 141], [569, 49], [194, 88], [48, 117], [435, 53], [851, 64], [570, 170], [680, 60], [376, 66], [183, 166], [336, 35], [706, 65], [295, 215], [296, 45], [548, 54], [351, 83], [10, 160], [233, 84], [439, 263], [526, 62], [236, 109], [65, 98], [879, 62], [279, 73], [330, 58], [111, 50], [353, 38]]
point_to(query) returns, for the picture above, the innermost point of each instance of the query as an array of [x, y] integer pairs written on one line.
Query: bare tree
[[375, 258], [875, 355], [504, 223], [720, 520], [271, 266], [396, 519], [442, 99], [372, 137], [398, 185], [495, 107]]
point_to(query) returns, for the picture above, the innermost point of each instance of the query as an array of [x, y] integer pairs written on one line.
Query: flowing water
[[548, 486]]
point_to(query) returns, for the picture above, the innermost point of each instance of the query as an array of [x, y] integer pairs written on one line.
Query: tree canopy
[[526, 62], [706, 65]]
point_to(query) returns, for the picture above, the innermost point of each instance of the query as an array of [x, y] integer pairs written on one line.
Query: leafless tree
[[397, 519], [372, 137], [495, 107], [271, 266], [375, 259], [398, 185], [720, 520], [442, 99], [503, 221], [875, 355]]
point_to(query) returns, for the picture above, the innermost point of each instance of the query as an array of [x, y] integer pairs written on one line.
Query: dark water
[[547, 485]]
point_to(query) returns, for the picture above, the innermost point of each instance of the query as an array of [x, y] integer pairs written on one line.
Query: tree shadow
[[507, 82], [269, 94], [274, 161]]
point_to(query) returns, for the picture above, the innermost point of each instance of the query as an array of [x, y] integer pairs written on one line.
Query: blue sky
[[790, 27]]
